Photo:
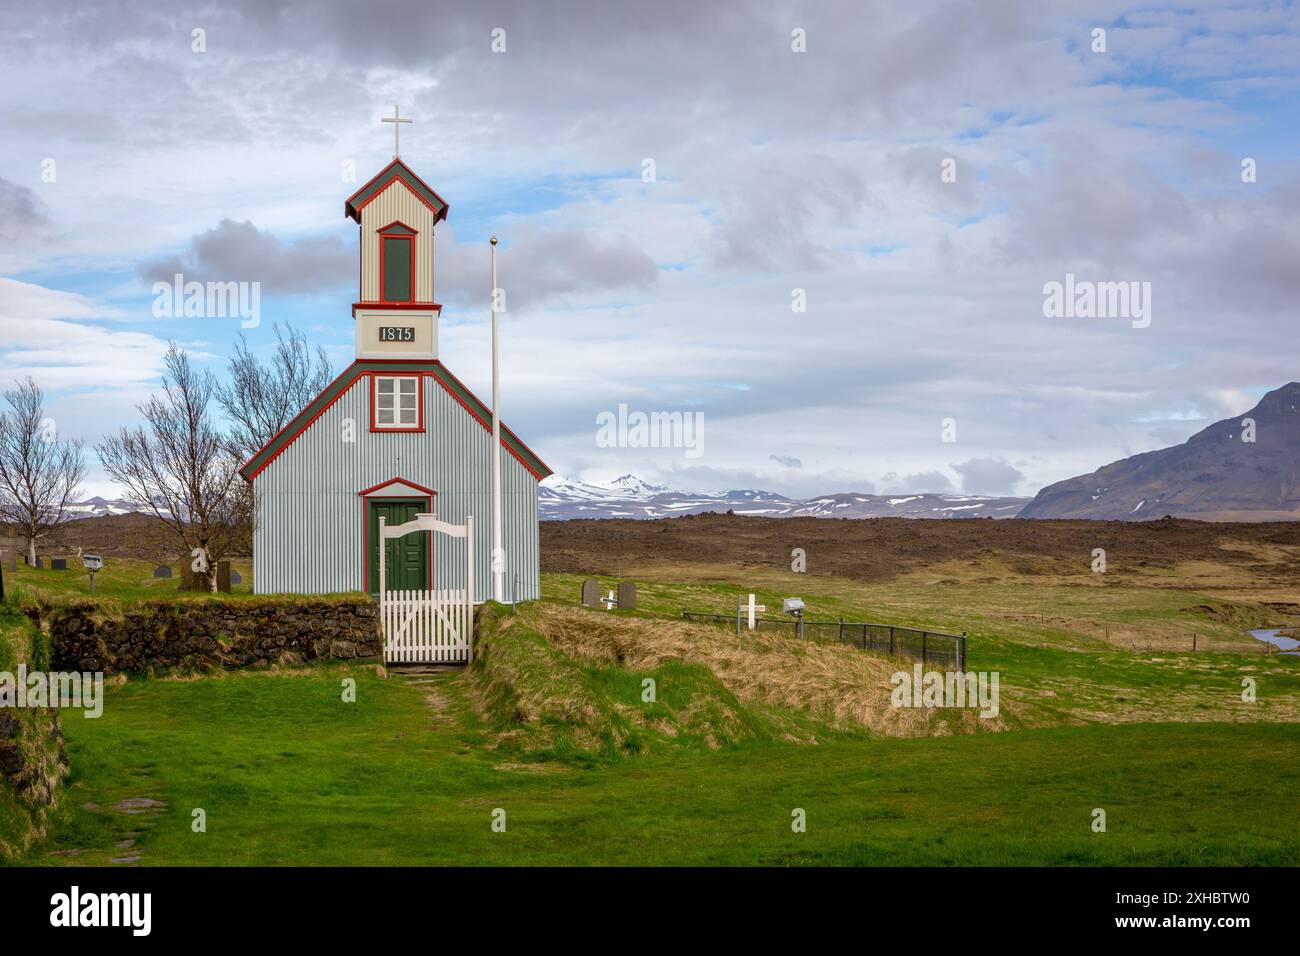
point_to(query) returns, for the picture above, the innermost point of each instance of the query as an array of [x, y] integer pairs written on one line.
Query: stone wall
[[203, 633]]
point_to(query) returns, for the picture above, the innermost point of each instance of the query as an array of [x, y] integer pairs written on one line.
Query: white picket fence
[[427, 627]]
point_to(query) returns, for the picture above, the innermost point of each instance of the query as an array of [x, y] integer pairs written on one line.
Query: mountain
[[1214, 476], [628, 496], [98, 507]]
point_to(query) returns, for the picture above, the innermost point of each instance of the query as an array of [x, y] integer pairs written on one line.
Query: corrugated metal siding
[[394, 203], [309, 534]]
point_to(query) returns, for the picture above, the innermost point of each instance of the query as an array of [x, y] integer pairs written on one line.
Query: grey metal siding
[[308, 538]]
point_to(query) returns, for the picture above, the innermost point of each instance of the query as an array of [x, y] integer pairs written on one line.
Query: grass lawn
[[289, 774], [122, 578]]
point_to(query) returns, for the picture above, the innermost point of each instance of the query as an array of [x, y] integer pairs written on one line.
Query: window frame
[[398, 425], [397, 230]]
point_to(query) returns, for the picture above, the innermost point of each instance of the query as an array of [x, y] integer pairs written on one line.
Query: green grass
[[288, 774], [1042, 640], [549, 706], [22, 820], [122, 579]]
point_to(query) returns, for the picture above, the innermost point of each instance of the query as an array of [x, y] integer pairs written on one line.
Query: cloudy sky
[[129, 154]]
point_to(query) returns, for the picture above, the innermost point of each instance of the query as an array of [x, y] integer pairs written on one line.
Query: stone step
[[423, 673]]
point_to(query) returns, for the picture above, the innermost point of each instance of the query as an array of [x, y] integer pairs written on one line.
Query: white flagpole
[[498, 556]]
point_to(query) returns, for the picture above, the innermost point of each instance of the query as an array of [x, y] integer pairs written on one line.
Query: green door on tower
[[407, 560]]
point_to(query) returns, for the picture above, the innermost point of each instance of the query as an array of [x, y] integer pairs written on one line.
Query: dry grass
[[840, 685]]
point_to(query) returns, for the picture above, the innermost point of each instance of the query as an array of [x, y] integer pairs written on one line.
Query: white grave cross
[[752, 608]]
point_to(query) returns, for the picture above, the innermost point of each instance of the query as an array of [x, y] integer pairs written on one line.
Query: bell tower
[[395, 313]]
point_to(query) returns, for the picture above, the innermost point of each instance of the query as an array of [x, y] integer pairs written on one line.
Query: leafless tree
[[40, 476], [179, 467], [260, 400]]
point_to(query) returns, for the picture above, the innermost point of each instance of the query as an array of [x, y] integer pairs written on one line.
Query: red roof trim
[[355, 211], [356, 376], [393, 481], [289, 424], [488, 424]]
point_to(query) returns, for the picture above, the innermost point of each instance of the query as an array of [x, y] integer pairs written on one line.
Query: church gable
[[396, 171], [377, 375]]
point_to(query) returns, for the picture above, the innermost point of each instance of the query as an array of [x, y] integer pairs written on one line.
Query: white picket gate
[[434, 626], [427, 627]]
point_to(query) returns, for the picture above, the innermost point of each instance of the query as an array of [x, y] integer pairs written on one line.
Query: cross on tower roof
[[397, 120]]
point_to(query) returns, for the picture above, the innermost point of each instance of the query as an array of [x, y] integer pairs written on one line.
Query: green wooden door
[[407, 564]]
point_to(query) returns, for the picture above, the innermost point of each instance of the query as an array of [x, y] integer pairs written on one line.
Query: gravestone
[[58, 564], [40, 562], [223, 577], [11, 559], [590, 593], [235, 577], [162, 571], [192, 580], [626, 596]]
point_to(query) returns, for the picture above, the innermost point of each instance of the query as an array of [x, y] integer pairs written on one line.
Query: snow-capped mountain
[[98, 507], [629, 496]]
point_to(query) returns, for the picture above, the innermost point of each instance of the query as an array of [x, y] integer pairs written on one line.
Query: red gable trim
[[488, 423], [355, 372], [393, 481], [388, 174], [300, 429]]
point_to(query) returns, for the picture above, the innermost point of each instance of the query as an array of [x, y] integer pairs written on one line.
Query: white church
[[395, 436]]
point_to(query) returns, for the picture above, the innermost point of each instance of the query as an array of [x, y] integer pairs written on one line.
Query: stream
[[1286, 645]]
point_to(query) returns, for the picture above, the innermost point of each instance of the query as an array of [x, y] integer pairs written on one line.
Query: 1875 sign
[[397, 333]]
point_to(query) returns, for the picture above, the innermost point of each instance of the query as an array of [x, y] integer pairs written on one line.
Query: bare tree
[[261, 400], [179, 467], [40, 476]]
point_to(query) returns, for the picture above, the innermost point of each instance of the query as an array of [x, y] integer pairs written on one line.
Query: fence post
[[891, 639], [841, 630], [963, 652], [923, 648]]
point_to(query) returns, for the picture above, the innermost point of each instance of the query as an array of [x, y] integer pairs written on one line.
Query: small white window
[[396, 401]]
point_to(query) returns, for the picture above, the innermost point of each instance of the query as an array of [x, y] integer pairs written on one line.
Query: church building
[[396, 435]]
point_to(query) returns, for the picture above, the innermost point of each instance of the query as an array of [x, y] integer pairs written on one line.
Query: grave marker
[[626, 595], [58, 564], [590, 593], [162, 571]]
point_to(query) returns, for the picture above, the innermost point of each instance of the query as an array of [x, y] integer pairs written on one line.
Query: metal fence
[[929, 647]]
